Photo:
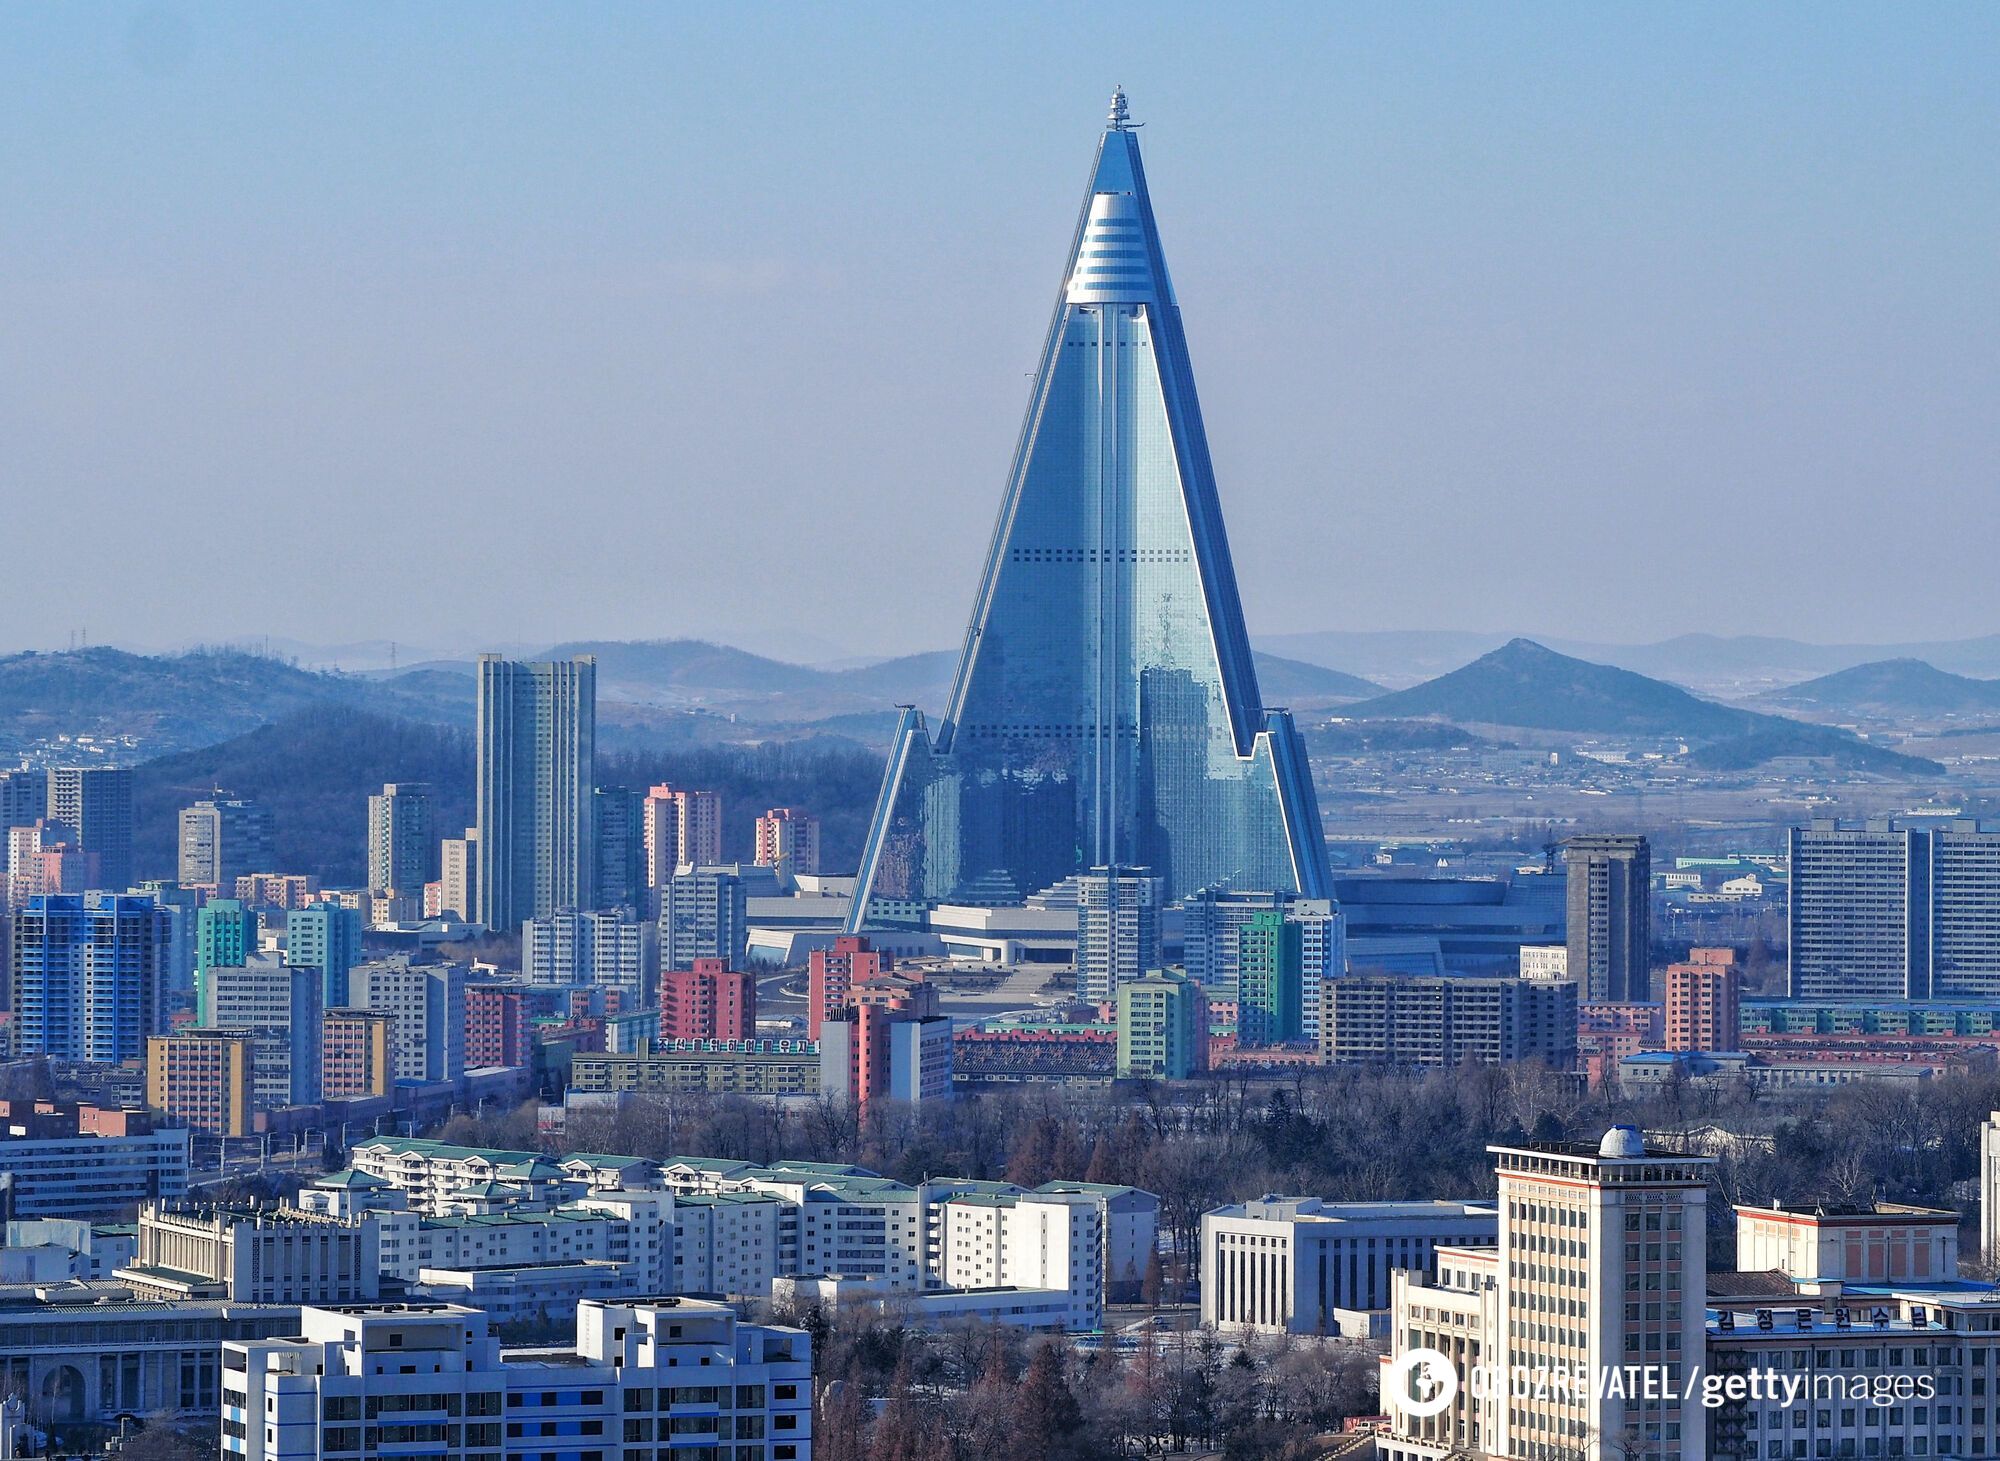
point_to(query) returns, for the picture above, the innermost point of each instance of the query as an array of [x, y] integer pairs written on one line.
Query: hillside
[[177, 702], [316, 768], [1528, 685], [1892, 688]]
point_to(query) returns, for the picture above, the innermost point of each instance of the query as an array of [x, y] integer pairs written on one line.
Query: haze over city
[[515, 326]]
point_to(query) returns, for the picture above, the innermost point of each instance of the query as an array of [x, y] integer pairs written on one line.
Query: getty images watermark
[[1424, 1382]]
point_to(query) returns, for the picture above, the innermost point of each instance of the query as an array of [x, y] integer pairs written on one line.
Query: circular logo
[[1420, 1382]]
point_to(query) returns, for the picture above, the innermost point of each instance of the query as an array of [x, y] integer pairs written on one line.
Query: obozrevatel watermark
[[1424, 1382]]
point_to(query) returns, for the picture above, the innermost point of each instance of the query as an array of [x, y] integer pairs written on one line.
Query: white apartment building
[[1037, 1242], [427, 1038], [568, 947], [441, 1176], [726, 1243], [1295, 1264], [428, 1380]]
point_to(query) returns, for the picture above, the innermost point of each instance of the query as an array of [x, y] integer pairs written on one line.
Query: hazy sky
[[464, 324]]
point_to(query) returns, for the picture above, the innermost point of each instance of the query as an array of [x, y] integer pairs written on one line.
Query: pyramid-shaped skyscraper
[[1105, 709]]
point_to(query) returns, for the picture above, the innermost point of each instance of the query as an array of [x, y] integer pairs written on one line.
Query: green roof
[[350, 1177]]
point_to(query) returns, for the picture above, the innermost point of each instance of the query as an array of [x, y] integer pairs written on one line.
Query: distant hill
[[1526, 684], [1892, 688], [176, 702]]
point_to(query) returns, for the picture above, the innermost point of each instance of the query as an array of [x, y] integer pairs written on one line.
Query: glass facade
[[1105, 709]]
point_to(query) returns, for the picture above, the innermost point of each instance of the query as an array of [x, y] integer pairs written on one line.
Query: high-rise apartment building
[[1117, 929], [1212, 922], [709, 1001], [876, 1052], [399, 838], [496, 1026], [704, 914], [458, 877], [1162, 1027], [1446, 1020], [1601, 1268], [205, 1079], [681, 828], [223, 839], [88, 976], [326, 937], [788, 840], [1270, 979], [1322, 953], [280, 1007], [603, 949], [621, 849], [1705, 1002], [24, 797], [42, 861], [537, 848], [93, 804], [831, 975], [1105, 711], [427, 1001], [1610, 916], [356, 1058]]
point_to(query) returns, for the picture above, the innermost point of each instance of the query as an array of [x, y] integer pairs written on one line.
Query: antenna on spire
[[1121, 116]]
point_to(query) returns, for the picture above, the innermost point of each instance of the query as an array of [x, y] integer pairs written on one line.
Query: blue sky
[[472, 324]]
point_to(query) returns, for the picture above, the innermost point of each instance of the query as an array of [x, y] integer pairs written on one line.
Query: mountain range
[[1529, 685]]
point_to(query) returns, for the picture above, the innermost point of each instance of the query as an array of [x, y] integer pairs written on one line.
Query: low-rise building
[[270, 1255], [83, 1161], [761, 1067]]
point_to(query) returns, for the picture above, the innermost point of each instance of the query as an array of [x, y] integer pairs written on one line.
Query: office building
[[788, 840], [707, 1002], [1609, 890], [1105, 711], [222, 840], [1478, 925], [1117, 929], [93, 805], [1601, 1263], [602, 949], [831, 975], [1445, 1020], [1705, 1002], [621, 849], [681, 828], [1292, 1265], [326, 937], [387, 1379], [879, 1052], [357, 1059], [399, 838], [1162, 1027], [280, 1007], [704, 915], [203, 1079], [427, 1003], [83, 1161], [1270, 979], [458, 877], [537, 847], [259, 1255], [496, 1026], [88, 977]]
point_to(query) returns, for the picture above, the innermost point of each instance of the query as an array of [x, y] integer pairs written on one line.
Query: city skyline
[[1557, 287]]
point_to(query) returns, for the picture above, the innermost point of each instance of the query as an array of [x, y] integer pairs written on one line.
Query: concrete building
[[357, 1058], [537, 845], [281, 1008], [1289, 1264], [755, 1067], [83, 1161], [1047, 1242], [496, 1026], [1117, 929], [709, 1001], [680, 828], [326, 937], [621, 849], [24, 797], [43, 861], [1477, 925], [93, 806], [225, 933], [1609, 889], [831, 975], [1211, 924], [458, 877], [203, 1079], [87, 976], [264, 1255], [400, 838], [1270, 979], [569, 947], [1162, 1027], [879, 1052], [427, 1001], [222, 840], [1705, 1002], [726, 1243], [1390, 1019], [703, 915], [428, 1378], [1322, 953], [788, 840], [1545, 963]]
